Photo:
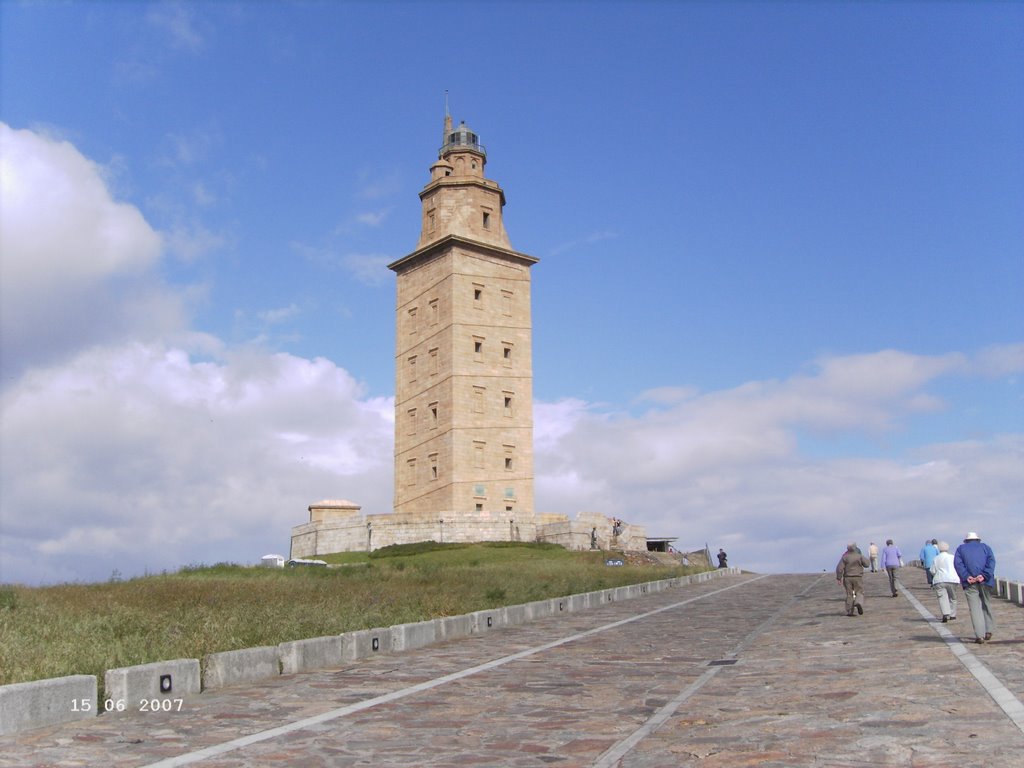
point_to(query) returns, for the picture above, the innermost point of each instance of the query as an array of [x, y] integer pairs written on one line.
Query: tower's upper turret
[[458, 200]]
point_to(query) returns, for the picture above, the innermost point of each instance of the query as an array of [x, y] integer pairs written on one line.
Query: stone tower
[[463, 371]]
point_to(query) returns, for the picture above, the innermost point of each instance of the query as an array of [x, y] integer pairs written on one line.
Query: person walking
[[873, 555], [892, 559], [850, 573], [927, 557], [975, 564], [945, 581], [723, 559]]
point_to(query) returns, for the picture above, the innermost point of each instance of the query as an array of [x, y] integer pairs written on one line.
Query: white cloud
[[139, 456], [373, 218], [593, 237], [278, 315], [368, 268], [191, 242], [76, 266], [727, 467], [176, 20]]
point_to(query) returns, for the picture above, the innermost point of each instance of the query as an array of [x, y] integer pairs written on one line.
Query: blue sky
[[778, 304]]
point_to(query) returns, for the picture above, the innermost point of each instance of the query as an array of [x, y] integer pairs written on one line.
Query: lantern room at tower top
[[460, 137]]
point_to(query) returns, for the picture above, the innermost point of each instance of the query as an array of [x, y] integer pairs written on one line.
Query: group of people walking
[[972, 568]]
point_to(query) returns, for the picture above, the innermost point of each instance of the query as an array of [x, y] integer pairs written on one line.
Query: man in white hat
[[975, 564]]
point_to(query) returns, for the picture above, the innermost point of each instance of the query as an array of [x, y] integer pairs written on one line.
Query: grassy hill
[[89, 628]]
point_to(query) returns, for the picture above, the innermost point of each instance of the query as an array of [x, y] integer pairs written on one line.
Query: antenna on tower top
[[447, 120]]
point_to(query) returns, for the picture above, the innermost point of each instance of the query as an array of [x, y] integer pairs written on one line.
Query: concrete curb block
[[453, 627], [314, 653], [366, 642], [24, 706], [145, 687], [406, 637], [485, 621], [247, 665], [1013, 591]]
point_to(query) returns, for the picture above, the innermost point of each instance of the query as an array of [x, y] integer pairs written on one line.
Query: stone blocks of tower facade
[[464, 396]]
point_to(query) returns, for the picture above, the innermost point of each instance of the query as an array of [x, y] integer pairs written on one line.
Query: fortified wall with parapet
[[340, 526]]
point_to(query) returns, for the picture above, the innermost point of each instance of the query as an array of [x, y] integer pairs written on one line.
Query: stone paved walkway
[[740, 671]]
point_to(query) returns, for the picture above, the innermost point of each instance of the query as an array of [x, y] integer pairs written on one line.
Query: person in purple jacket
[[892, 559], [975, 564]]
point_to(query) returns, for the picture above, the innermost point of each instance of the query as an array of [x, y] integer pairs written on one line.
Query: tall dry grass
[[90, 628]]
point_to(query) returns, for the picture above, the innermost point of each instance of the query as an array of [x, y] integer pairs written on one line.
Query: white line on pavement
[[1002, 696], [614, 754], [272, 733]]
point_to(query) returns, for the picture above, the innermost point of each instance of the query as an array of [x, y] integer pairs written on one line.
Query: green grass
[[90, 628]]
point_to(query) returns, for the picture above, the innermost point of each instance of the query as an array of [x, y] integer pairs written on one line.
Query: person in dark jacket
[[975, 564], [850, 573]]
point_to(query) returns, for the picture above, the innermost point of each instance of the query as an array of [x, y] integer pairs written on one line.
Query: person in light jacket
[[975, 564], [873, 555], [945, 581], [927, 556]]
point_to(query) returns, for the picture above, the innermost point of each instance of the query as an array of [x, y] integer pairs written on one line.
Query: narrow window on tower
[[509, 457], [506, 354], [412, 368], [507, 403], [410, 472], [478, 399], [478, 348], [411, 420], [478, 296], [487, 220], [433, 362], [478, 455], [412, 320], [431, 220], [433, 415], [435, 312], [506, 303], [433, 466]]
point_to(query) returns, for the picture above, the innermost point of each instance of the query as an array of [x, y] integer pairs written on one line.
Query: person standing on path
[[975, 564], [873, 554], [892, 559], [944, 582], [927, 557], [850, 573], [723, 559]]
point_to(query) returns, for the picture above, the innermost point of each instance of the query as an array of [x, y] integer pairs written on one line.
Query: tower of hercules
[[463, 372]]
